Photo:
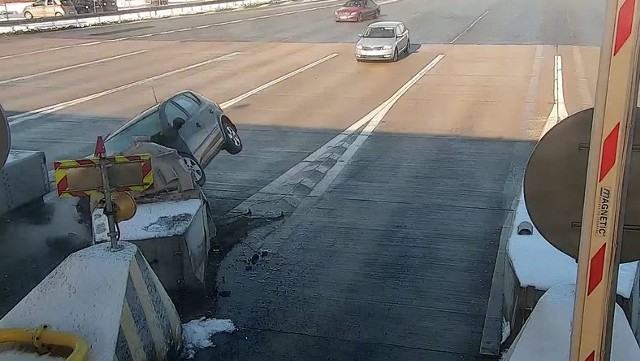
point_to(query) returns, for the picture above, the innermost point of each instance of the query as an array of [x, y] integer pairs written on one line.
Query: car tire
[[194, 167], [28, 15], [408, 48], [232, 141], [360, 19], [58, 15], [395, 55]]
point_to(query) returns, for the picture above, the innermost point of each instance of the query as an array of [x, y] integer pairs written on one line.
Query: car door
[[49, 9], [369, 10], [37, 9], [401, 32], [204, 133]]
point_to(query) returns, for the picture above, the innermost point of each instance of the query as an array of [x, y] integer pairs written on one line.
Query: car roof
[[385, 24]]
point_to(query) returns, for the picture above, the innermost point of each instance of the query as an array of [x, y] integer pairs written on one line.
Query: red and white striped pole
[[605, 193]]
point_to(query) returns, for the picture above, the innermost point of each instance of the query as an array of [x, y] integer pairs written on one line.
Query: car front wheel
[[194, 168], [28, 15], [233, 143]]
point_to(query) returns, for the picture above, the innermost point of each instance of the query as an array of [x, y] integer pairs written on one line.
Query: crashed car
[[196, 127]]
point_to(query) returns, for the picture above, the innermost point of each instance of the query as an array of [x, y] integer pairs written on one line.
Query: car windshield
[[66, 2], [148, 126], [380, 32], [354, 3]]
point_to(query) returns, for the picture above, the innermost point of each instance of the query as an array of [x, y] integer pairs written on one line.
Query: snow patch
[[197, 334], [26, 356], [152, 220], [506, 330], [538, 264]]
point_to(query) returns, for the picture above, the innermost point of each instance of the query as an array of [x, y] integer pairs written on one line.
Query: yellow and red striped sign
[[63, 168]]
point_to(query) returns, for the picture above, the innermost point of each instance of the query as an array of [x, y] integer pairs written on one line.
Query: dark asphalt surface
[[394, 260]]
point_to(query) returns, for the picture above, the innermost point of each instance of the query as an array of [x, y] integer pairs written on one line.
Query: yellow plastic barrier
[[42, 337]]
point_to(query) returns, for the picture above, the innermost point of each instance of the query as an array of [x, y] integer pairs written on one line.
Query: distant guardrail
[[154, 12]]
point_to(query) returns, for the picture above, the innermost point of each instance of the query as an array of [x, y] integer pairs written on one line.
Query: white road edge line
[[373, 118], [244, 96], [559, 110], [376, 118], [17, 119], [48, 72], [469, 27]]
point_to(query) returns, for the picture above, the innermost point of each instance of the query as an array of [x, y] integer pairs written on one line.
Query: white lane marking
[[530, 113], [182, 29], [469, 27], [103, 60], [17, 119], [376, 118], [583, 85], [371, 118], [47, 50], [559, 110], [241, 97]]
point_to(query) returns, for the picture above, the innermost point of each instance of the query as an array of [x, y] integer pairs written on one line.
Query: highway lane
[[389, 242]]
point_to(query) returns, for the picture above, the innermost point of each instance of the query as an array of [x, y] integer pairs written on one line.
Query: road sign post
[[605, 191], [104, 176]]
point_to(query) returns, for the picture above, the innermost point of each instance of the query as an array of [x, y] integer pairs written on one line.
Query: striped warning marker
[[61, 175], [596, 270]]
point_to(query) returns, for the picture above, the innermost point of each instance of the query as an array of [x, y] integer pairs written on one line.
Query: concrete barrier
[[129, 15], [24, 179], [173, 235], [533, 266], [111, 299], [546, 336]]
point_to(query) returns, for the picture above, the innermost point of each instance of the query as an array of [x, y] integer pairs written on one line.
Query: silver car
[[384, 40]]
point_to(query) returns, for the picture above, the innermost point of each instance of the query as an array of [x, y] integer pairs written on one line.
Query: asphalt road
[[390, 233]]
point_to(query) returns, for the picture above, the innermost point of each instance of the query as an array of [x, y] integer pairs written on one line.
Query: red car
[[358, 10]]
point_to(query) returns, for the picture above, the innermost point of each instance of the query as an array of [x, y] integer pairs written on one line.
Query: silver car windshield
[[149, 126], [379, 32]]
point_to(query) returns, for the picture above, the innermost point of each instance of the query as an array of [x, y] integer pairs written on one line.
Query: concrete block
[[23, 180], [173, 236], [111, 299]]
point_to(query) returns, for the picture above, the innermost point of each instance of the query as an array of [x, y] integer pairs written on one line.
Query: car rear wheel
[[406, 50], [395, 55], [28, 15], [58, 15], [194, 168], [360, 17], [233, 143]]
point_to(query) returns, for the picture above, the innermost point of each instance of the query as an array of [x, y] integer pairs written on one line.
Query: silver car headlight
[[359, 47], [387, 47]]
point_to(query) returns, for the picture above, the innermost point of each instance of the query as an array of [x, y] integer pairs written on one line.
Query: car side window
[[49, 2], [187, 103], [38, 3], [172, 111]]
